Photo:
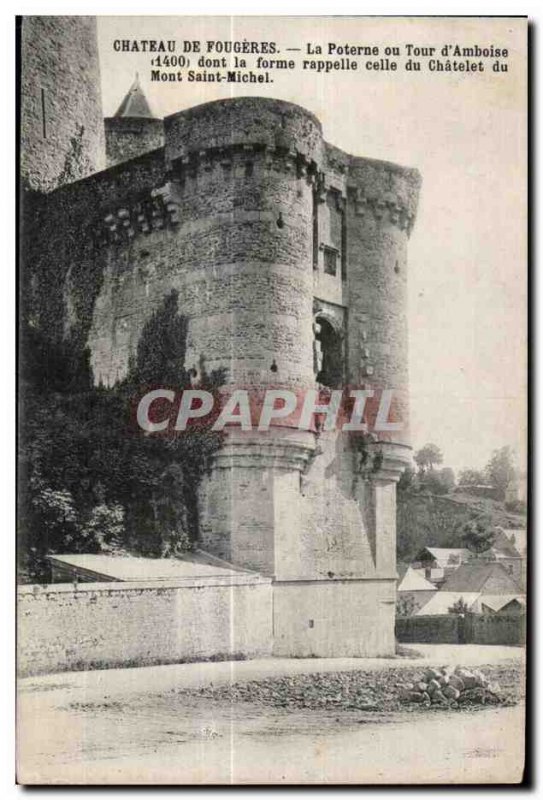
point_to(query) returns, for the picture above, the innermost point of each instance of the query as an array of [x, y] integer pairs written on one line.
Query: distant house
[[414, 591], [442, 602], [503, 604], [509, 549], [517, 537], [484, 586], [438, 562], [480, 576], [484, 490]]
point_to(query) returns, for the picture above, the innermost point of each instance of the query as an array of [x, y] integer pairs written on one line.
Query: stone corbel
[[386, 460], [281, 449], [395, 212], [171, 206]]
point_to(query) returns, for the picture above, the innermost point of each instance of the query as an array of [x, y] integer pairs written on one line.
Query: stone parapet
[[273, 124], [130, 137], [385, 190]]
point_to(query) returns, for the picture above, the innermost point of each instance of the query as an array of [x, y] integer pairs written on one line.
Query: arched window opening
[[328, 364]]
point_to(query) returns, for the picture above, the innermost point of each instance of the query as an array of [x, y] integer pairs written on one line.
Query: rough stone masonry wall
[[130, 137], [273, 124], [67, 250], [60, 92], [322, 530], [114, 624], [382, 201], [238, 252]]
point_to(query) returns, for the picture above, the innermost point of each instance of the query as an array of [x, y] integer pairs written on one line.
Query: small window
[[330, 260]]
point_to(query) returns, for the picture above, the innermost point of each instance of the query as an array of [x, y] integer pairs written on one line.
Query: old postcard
[[272, 481]]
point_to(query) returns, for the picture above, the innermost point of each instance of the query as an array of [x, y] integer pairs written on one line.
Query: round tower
[[62, 127], [381, 208], [134, 130], [242, 175], [242, 171]]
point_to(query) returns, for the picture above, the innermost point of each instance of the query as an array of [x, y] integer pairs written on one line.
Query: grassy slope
[[425, 519]]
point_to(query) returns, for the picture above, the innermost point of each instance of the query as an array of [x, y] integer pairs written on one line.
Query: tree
[[500, 470], [471, 477], [105, 527], [441, 481], [479, 534], [405, 606], [460, 607], [427, 519], [428, 457], [406, 480]]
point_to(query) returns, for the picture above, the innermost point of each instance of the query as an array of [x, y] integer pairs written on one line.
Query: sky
[[466, 133]]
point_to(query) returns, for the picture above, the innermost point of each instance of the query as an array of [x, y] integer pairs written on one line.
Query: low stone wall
[[472, 629], [99, 625]]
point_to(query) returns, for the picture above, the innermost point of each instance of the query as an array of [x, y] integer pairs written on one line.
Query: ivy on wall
[[89, 479]]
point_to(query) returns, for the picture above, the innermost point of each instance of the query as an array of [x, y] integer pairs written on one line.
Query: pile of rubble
[[378, 690], [452, 686]]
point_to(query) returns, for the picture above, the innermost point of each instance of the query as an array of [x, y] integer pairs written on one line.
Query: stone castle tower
[[289, 257], [133, 130], [62, 126]]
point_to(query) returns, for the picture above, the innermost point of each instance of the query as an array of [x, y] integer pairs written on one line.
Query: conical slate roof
[[135, 103]]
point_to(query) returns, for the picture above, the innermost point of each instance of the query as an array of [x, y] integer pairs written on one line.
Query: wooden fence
[[463, 629]]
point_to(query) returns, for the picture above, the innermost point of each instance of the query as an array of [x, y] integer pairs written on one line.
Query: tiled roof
[[499, 601], [445, 553], [473, 576]]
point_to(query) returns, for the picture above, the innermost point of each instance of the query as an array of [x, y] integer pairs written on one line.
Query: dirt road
[[130, 726]]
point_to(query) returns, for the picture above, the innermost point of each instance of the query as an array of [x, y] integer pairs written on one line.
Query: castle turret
[[245, 169], [381, 208], [242, 174], [134, 130], [62, 126]]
